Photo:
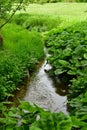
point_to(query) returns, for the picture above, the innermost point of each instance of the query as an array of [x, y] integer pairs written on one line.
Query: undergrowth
[[27, 117], [21, 51], [68, 57]]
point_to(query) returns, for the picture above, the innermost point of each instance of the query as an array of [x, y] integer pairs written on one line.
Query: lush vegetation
[[21, 50], [68, 49], [27, 117], [8, 8], [39, 23], [68, 13]]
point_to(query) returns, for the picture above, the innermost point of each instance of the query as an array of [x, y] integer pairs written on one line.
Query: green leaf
[[59, 71], [12, 114], [63, 62], [84, 127], [75, 121], [85, 55], [72, 72], [34, 128], [65, 124], [84, 117], [26, 106]]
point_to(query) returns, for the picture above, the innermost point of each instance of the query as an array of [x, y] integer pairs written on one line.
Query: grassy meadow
[[69, 12]]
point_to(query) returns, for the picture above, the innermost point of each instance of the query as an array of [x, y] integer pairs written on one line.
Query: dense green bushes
[[38, 23], [68, 49], [21, 51]]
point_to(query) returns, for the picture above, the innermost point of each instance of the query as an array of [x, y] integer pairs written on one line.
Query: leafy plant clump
[[21, 51], [68, 57]]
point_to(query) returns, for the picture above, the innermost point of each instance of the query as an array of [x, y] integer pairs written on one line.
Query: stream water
[[42, 91]]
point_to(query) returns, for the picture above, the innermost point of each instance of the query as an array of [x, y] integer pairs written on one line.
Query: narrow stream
[[42, 91]]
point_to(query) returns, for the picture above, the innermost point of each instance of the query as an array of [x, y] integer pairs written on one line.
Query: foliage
[[38, 23], [33, 118], [21, 51], [68, 57], [10, 7], [68, 50]]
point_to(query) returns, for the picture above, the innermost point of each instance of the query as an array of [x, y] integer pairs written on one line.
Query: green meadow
[[74, 12]]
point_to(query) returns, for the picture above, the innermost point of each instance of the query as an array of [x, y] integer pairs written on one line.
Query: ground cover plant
[[68, 49], [21, 51], [27, 117]]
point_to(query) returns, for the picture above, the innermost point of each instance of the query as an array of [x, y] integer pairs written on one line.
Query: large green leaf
[[59, 71], [65, 124], [85, 55], [26, 106], [34, 128]]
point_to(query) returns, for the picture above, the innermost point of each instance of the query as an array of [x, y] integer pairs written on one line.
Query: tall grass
[[20, 38], [38, 23], [21, 51]]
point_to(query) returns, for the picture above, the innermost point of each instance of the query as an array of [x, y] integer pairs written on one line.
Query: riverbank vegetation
[[65, 29], [39, 23], [21, 50], [68, 49]]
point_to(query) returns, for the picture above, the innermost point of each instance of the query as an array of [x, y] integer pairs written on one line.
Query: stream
[[44, 92]]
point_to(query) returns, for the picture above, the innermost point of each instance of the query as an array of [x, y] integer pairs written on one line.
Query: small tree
[[10, 7]]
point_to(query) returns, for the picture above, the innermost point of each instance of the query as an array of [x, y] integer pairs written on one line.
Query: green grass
[[21, 51], [40, 23], [18, 38], [52, 15], [68, 12]]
